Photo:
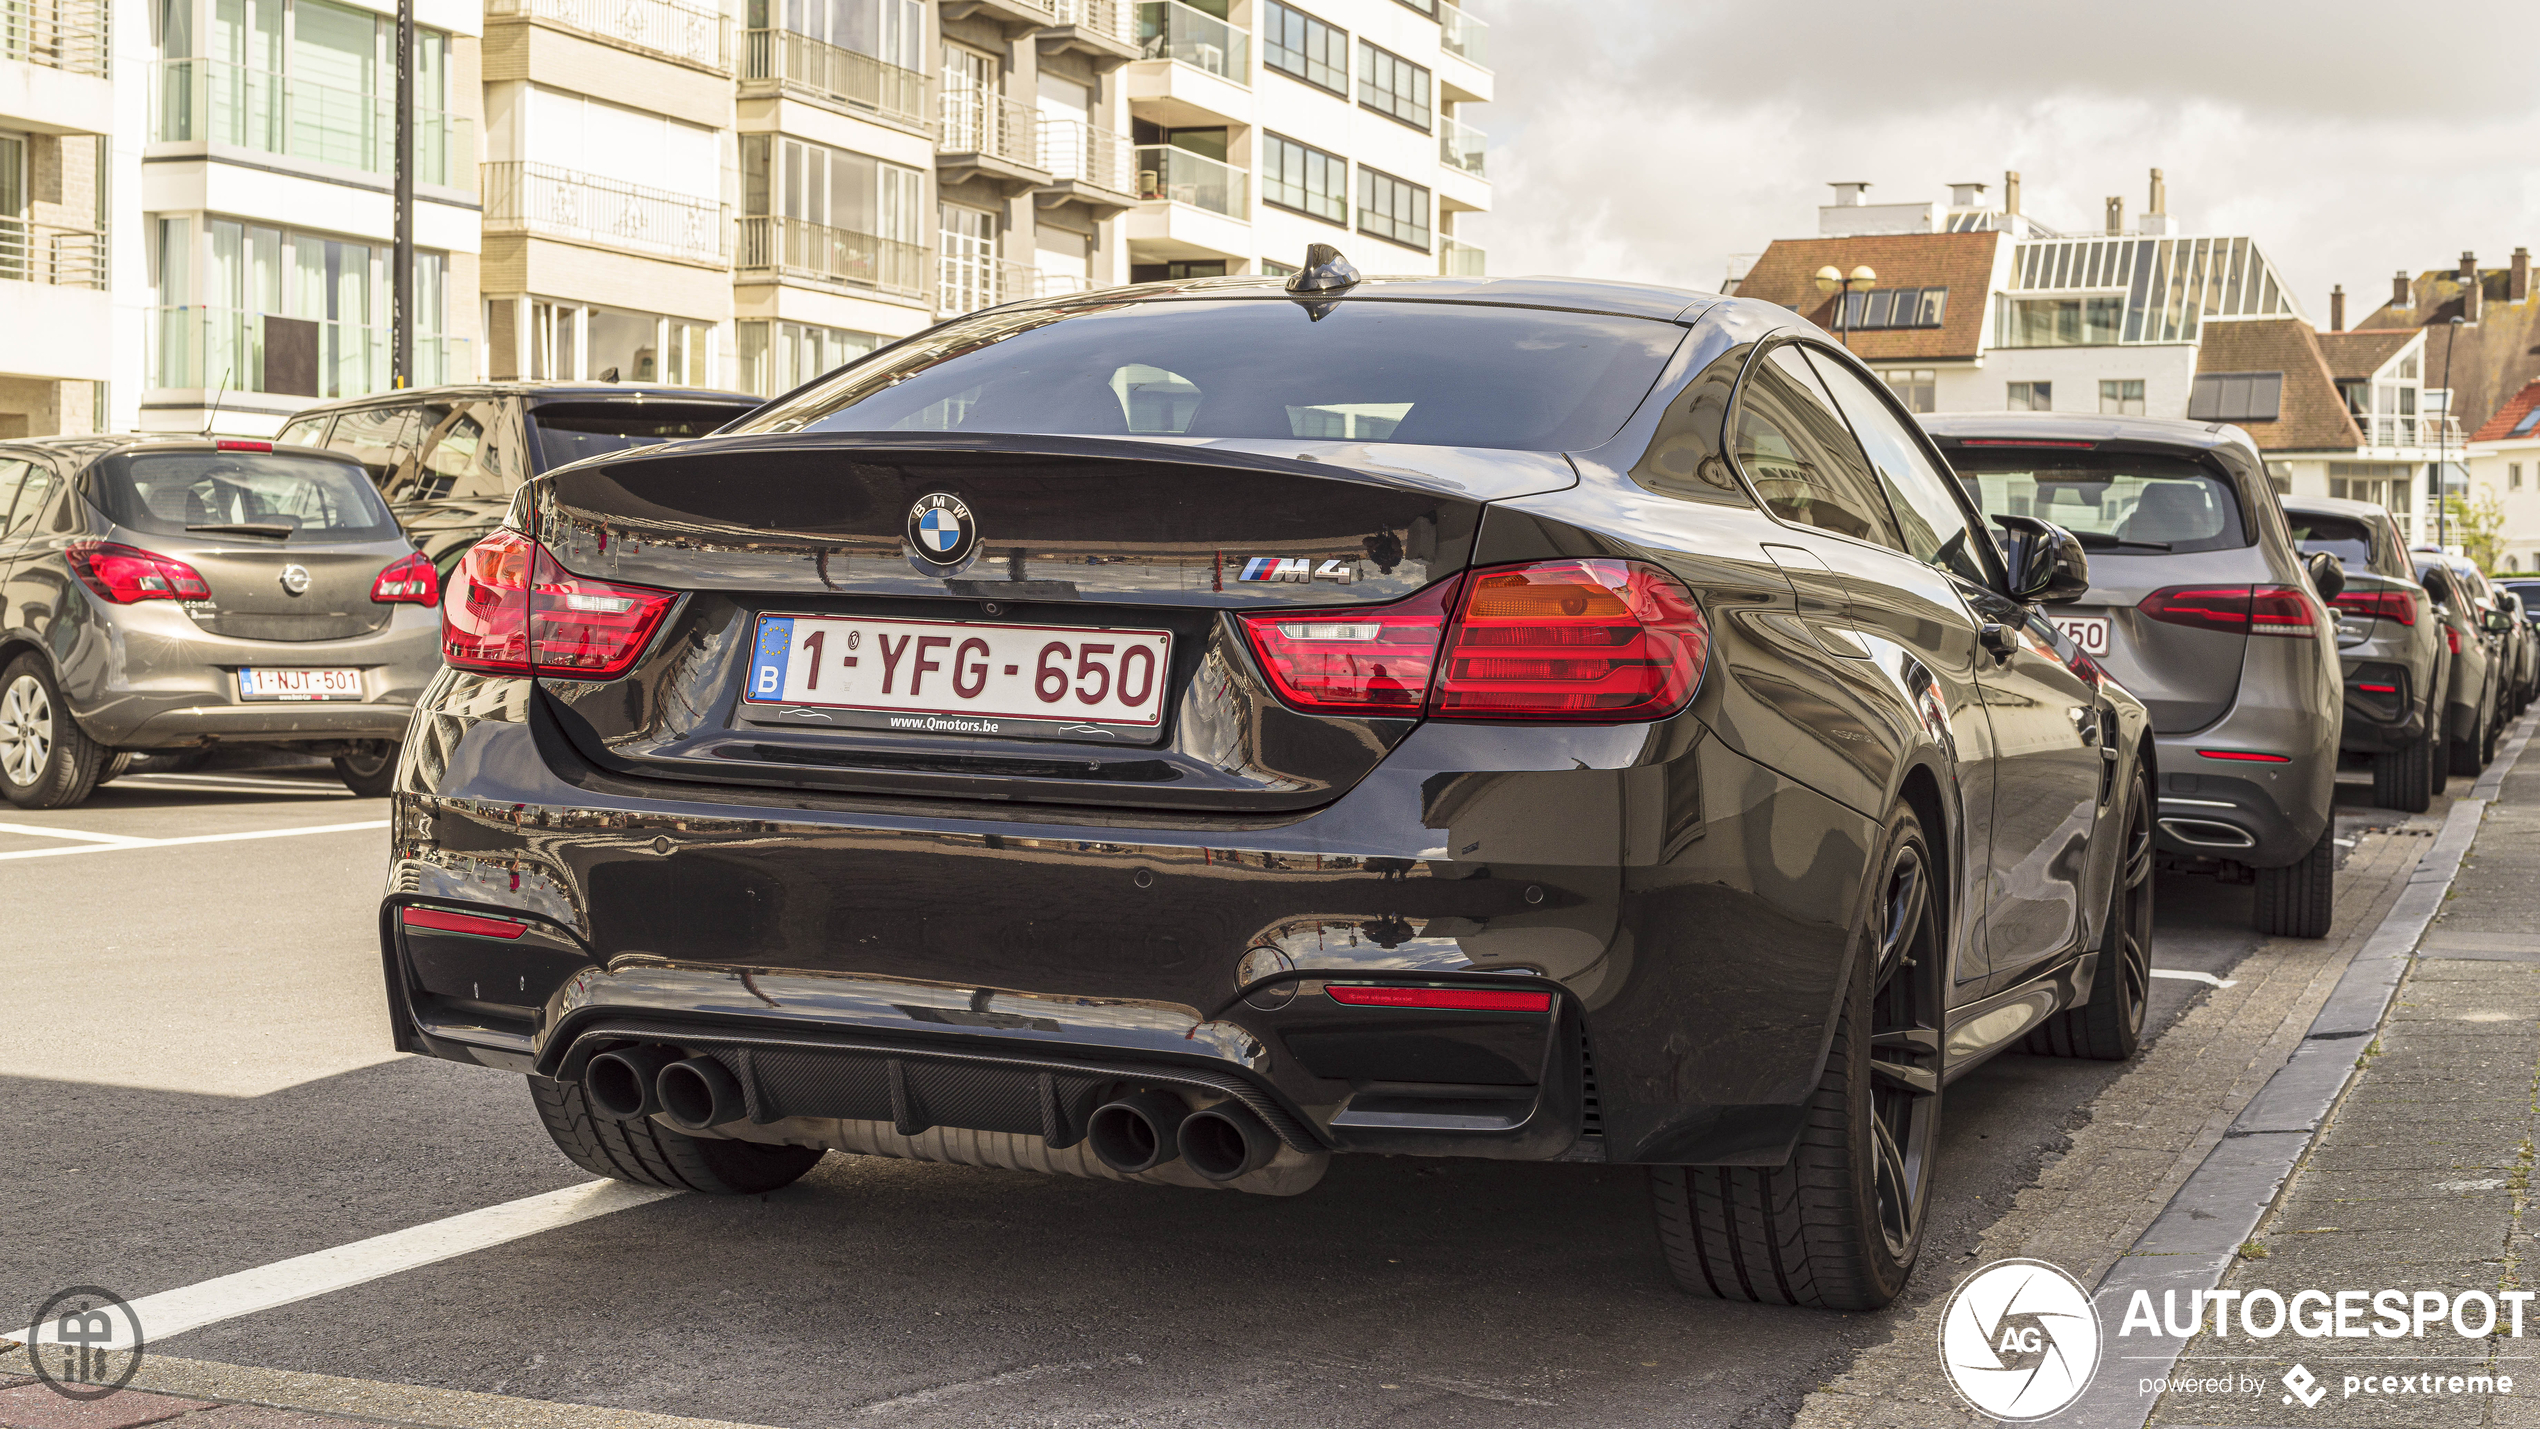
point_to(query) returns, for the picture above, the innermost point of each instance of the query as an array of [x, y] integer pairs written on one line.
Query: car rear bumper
[[146, 677], [953, 957], [2385, 701]]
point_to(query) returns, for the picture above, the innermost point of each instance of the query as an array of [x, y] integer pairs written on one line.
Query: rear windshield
[[2116, 502], [270, 495], [1435, 374], [2344, 537], [570, 431]]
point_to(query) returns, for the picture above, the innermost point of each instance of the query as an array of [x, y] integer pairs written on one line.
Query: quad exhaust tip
[[699, 1093], [1225, 1142], [623, 1082], [1137, 1132]]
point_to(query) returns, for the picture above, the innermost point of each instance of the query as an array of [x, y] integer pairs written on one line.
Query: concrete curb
[[2192, 1243]]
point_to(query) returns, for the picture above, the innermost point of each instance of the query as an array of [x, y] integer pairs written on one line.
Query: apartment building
[[57, 119]]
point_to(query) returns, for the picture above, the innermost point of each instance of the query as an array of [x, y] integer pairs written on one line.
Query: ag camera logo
[[2019, 1340]]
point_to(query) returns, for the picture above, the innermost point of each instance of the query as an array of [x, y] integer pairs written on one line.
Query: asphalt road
[[194, 1080]]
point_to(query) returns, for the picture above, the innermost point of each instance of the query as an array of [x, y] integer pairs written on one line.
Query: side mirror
[[2048, 565], [2328, 574], [2498, 622]]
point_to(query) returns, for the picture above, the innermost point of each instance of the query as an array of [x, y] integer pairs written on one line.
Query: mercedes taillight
[[2235, 609]]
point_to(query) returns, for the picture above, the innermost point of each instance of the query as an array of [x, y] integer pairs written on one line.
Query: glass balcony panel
[[1171, 30], [1464, 36], [210, 101], [229, 349], [1460, 146], [1459, 260], [1172, 175]]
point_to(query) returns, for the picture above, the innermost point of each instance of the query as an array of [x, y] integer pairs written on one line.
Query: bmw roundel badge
[[940, 529]]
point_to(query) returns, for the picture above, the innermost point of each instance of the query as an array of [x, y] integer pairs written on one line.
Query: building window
[[1894, 308], [1302, 47], [1177, 271], [295, 314], [1913, 386], [778, 357], [1390, 208], [2236, 397], [2513, 476], [2061, 322], [2121, 398], [2385, 484], [2529, 420], [2032, 397], [1273, 268], [1393, 86], [1305, 180]]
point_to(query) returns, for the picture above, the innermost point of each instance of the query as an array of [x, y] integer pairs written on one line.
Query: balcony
[[783, 62], [983, 134], [1171, 30], [1464, 36], [1087, 164], [968, 278], [690, 34], [2396, 431], [54, 257], [1015, 18], [1459, 260], [231, 106], [1191, 208], [213, 349], [58, 34], [774, 247], [1170, 175], [1460, 147], [543, 199], [1103, 31]]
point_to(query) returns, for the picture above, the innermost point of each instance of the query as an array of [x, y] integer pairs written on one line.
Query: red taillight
[[2452, 637], [2395, 605], [511, 609], [2378, 689], [442, 921], [2239, 609], [409, 580], [125, 574], [2246, 756], [1372, 660], [1572, 640], [228, 444], [1439, 999]]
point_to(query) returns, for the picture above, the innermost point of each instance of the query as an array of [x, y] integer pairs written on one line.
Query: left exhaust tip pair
[[1143, 1130], [694, 1093]]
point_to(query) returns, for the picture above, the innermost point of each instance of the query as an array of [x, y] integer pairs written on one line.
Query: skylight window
[[2524, 427], [2236, 397], [1895, 308]]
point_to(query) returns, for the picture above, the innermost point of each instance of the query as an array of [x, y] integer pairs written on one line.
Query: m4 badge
[[1299, 569]]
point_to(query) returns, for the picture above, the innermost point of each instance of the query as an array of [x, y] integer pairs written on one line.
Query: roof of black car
[[1595, 295]]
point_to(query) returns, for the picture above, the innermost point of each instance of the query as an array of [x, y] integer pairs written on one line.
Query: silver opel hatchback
[[172, 593]]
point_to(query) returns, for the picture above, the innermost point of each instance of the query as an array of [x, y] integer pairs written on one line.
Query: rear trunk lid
[[1081, 543]]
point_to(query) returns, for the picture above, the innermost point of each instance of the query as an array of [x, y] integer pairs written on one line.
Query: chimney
[[2160, 205], [2337, 308], [2011, 191], [2116, 215], [1850, 195], [2470, 294], [2518, 279], [2401, 295]]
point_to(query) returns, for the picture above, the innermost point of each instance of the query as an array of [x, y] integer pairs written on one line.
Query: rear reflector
[[2246, 756], [511, 609], [2396, 605], [1439, 999], [409, 580], [2236, 609], [2379, 689], [2452, 637], [126, 574], [439, 920], [238, 446]]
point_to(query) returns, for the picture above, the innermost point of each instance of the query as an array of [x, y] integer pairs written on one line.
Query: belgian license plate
[[2090, 632], [299, 684], [959, 677]]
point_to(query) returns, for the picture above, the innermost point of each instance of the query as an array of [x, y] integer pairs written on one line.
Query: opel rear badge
[[940, 529]]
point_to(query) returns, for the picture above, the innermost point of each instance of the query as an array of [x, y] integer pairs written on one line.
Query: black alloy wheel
[[2109, 1027], [1838, 1226]]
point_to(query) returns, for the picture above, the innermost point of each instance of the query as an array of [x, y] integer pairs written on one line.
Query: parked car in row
[[1184, 733], [449, 458], [2391, 644], [2526, 643], [2476, 628], [171, 593], [2202, 606]]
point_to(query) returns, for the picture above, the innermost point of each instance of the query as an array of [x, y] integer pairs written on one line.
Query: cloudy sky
[[1654, 139]]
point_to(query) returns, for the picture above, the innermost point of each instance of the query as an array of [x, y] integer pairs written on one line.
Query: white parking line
[[82, 835], [190, 839], [2208, 979], [173, 1312]]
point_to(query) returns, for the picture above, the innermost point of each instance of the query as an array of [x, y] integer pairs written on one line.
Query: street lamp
[[1830, 278], [2443, 439]]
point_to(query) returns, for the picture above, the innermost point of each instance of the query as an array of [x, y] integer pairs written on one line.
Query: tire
[[2109, 1027], [117, 765], [1837, 1227], [2298, 900], [2493, 735], [2465, 760], [46, 761], [370, 773], [2403, 779], [647, 1153]]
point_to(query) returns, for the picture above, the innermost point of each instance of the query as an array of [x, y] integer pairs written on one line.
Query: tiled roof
[[1960, 262], [2311, 417], [2361, 352], [2492, 358], [2508, 414]]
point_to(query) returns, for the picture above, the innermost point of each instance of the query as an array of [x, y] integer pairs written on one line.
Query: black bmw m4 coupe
[[1183, 733]]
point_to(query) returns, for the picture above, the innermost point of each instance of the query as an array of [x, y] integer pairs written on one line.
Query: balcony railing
[[2394, 431], [1086, 153], [666, 27], [1460, 146], [524, 197], [1179, 176], [199, 101], [58, 34], [1103, 17], [980, 121], [1459, 260], [58, 257], [814, 69], [226, 348], [968, 278], [1171, 30], [1464, 36], [1046, 284], [794, 247]]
